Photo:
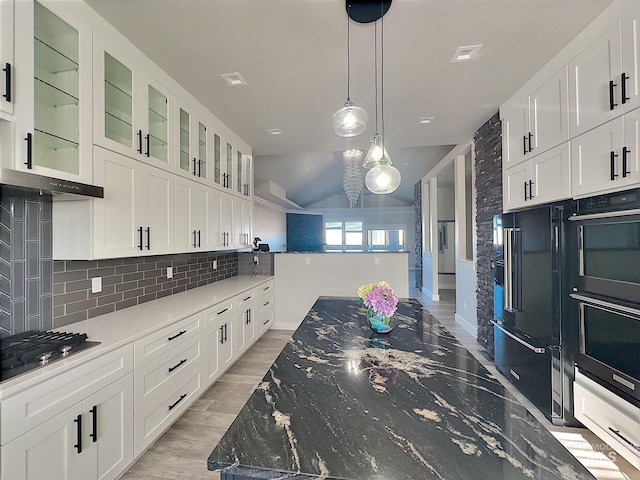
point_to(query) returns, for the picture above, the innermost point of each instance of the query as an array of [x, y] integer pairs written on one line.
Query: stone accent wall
[[26, 267], [488, 166], [417, 202], [131, 281]]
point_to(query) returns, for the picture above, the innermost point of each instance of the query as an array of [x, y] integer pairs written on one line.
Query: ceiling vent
[[466, 54], [234, 79]]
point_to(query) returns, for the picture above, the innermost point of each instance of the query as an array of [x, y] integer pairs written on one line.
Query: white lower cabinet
[[244, 321], [89, 439], [610, 417], [264, 308], [218, 340]]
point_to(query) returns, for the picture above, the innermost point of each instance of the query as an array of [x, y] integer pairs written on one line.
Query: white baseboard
[[472, 329], [435, 298]]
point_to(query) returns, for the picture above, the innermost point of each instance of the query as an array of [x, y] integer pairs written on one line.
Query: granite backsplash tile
[[131, 281]]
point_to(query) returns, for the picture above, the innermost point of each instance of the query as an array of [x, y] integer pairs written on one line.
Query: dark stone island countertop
[[342, 402]]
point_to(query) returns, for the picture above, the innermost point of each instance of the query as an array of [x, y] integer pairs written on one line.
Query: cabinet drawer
[[218, 311], [155, 418], [264, 289], [264, 302], [244, 298], [154, 345], [157, 377], [39, 403], [604, 413], [264, 320]]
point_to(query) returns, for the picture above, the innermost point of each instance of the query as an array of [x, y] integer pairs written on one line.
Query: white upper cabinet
[[6, 58], [244, 183], [604, 79], [538, 123], [193, 216], [605, 159], [193, 143], [53, 92], [132, 111]]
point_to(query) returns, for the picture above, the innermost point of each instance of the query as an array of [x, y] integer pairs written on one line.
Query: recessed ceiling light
[[274, 131], [234, 79], [466, 54], [426, 120]]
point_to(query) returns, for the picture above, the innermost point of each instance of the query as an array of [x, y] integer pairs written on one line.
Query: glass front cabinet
[[193, 144], [132, 111], [53, 92]]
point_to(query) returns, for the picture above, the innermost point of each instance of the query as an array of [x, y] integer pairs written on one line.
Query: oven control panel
[[613, 201]]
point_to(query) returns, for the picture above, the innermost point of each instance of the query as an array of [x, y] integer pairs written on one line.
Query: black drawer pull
[[266, 321], [171, 369], [222, 311], [247, 298], [266, 288], [265, 304], [78, 422], [626, 440], [182, 397], [94, 419], [182, 332]]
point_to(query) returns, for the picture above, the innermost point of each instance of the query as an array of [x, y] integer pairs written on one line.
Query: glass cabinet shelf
[[53, 142], [157, 117], [47, 94], [118, 129], [118, 100], [53, 60], [156, 142]]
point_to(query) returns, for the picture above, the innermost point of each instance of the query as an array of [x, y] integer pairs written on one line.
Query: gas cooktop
[[26, 351]]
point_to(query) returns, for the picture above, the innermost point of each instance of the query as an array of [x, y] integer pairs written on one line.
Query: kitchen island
[[342, 402]]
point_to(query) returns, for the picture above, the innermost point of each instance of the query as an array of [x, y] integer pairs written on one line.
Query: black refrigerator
[[534, 337]]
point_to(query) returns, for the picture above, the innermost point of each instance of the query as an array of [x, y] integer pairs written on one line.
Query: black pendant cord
[[375, 67], [382, 70], [348, 56]]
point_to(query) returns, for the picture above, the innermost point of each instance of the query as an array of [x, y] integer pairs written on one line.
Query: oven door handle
[[533, 348], [605, 304], [621, 213]]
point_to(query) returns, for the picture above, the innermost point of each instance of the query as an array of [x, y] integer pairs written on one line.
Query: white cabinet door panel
[[550, 114], [515, 135], [551, 174]]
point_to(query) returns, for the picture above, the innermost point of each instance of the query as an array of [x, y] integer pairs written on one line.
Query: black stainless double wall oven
[[606, 289]]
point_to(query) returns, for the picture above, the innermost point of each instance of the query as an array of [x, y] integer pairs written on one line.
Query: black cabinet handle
[[225, 332], [194, 166], [148, 144], [7, 82], [530, 141], [624, 78], [78, 422], [246, 298], [614, 175], [531, 183], [140, 142], [148, 229], [625, 152], [182, 332], [525, 192], [94, 420], [200, 168], [265, 304], [181, 362], [140, 238], [194, 239], [222, 311], [524, 144], [626, 440], [182, 397], [612, 104], [199, 231], [221, 335], [29, 162]]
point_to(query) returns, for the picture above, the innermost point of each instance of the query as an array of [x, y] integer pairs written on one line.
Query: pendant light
[[350, 120], [382, 178]]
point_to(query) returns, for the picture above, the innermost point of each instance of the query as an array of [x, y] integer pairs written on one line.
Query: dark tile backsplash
[[247, 266], [26, 267], [131, 281]]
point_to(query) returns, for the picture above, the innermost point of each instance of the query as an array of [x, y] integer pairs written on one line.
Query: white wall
[[270, 224], [300, 278], [466, 300]]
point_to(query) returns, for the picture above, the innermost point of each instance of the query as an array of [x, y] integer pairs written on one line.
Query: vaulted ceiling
[[293, 55]]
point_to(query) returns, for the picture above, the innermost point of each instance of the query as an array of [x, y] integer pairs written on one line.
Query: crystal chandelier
[[352, 176]]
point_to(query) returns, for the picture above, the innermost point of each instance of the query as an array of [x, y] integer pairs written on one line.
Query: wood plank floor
[[182, 452]]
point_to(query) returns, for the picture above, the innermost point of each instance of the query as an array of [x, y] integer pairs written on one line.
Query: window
[[386, 240], [343, 236]]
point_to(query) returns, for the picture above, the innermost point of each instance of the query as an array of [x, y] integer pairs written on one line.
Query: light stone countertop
[[113, 330]]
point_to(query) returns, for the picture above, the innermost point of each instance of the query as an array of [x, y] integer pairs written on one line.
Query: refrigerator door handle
[[534, 349], [517, 270], [508, 267]]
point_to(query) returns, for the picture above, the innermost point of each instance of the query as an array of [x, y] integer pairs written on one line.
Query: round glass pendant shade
[[377, 154], [382, 179], [350, 120]]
